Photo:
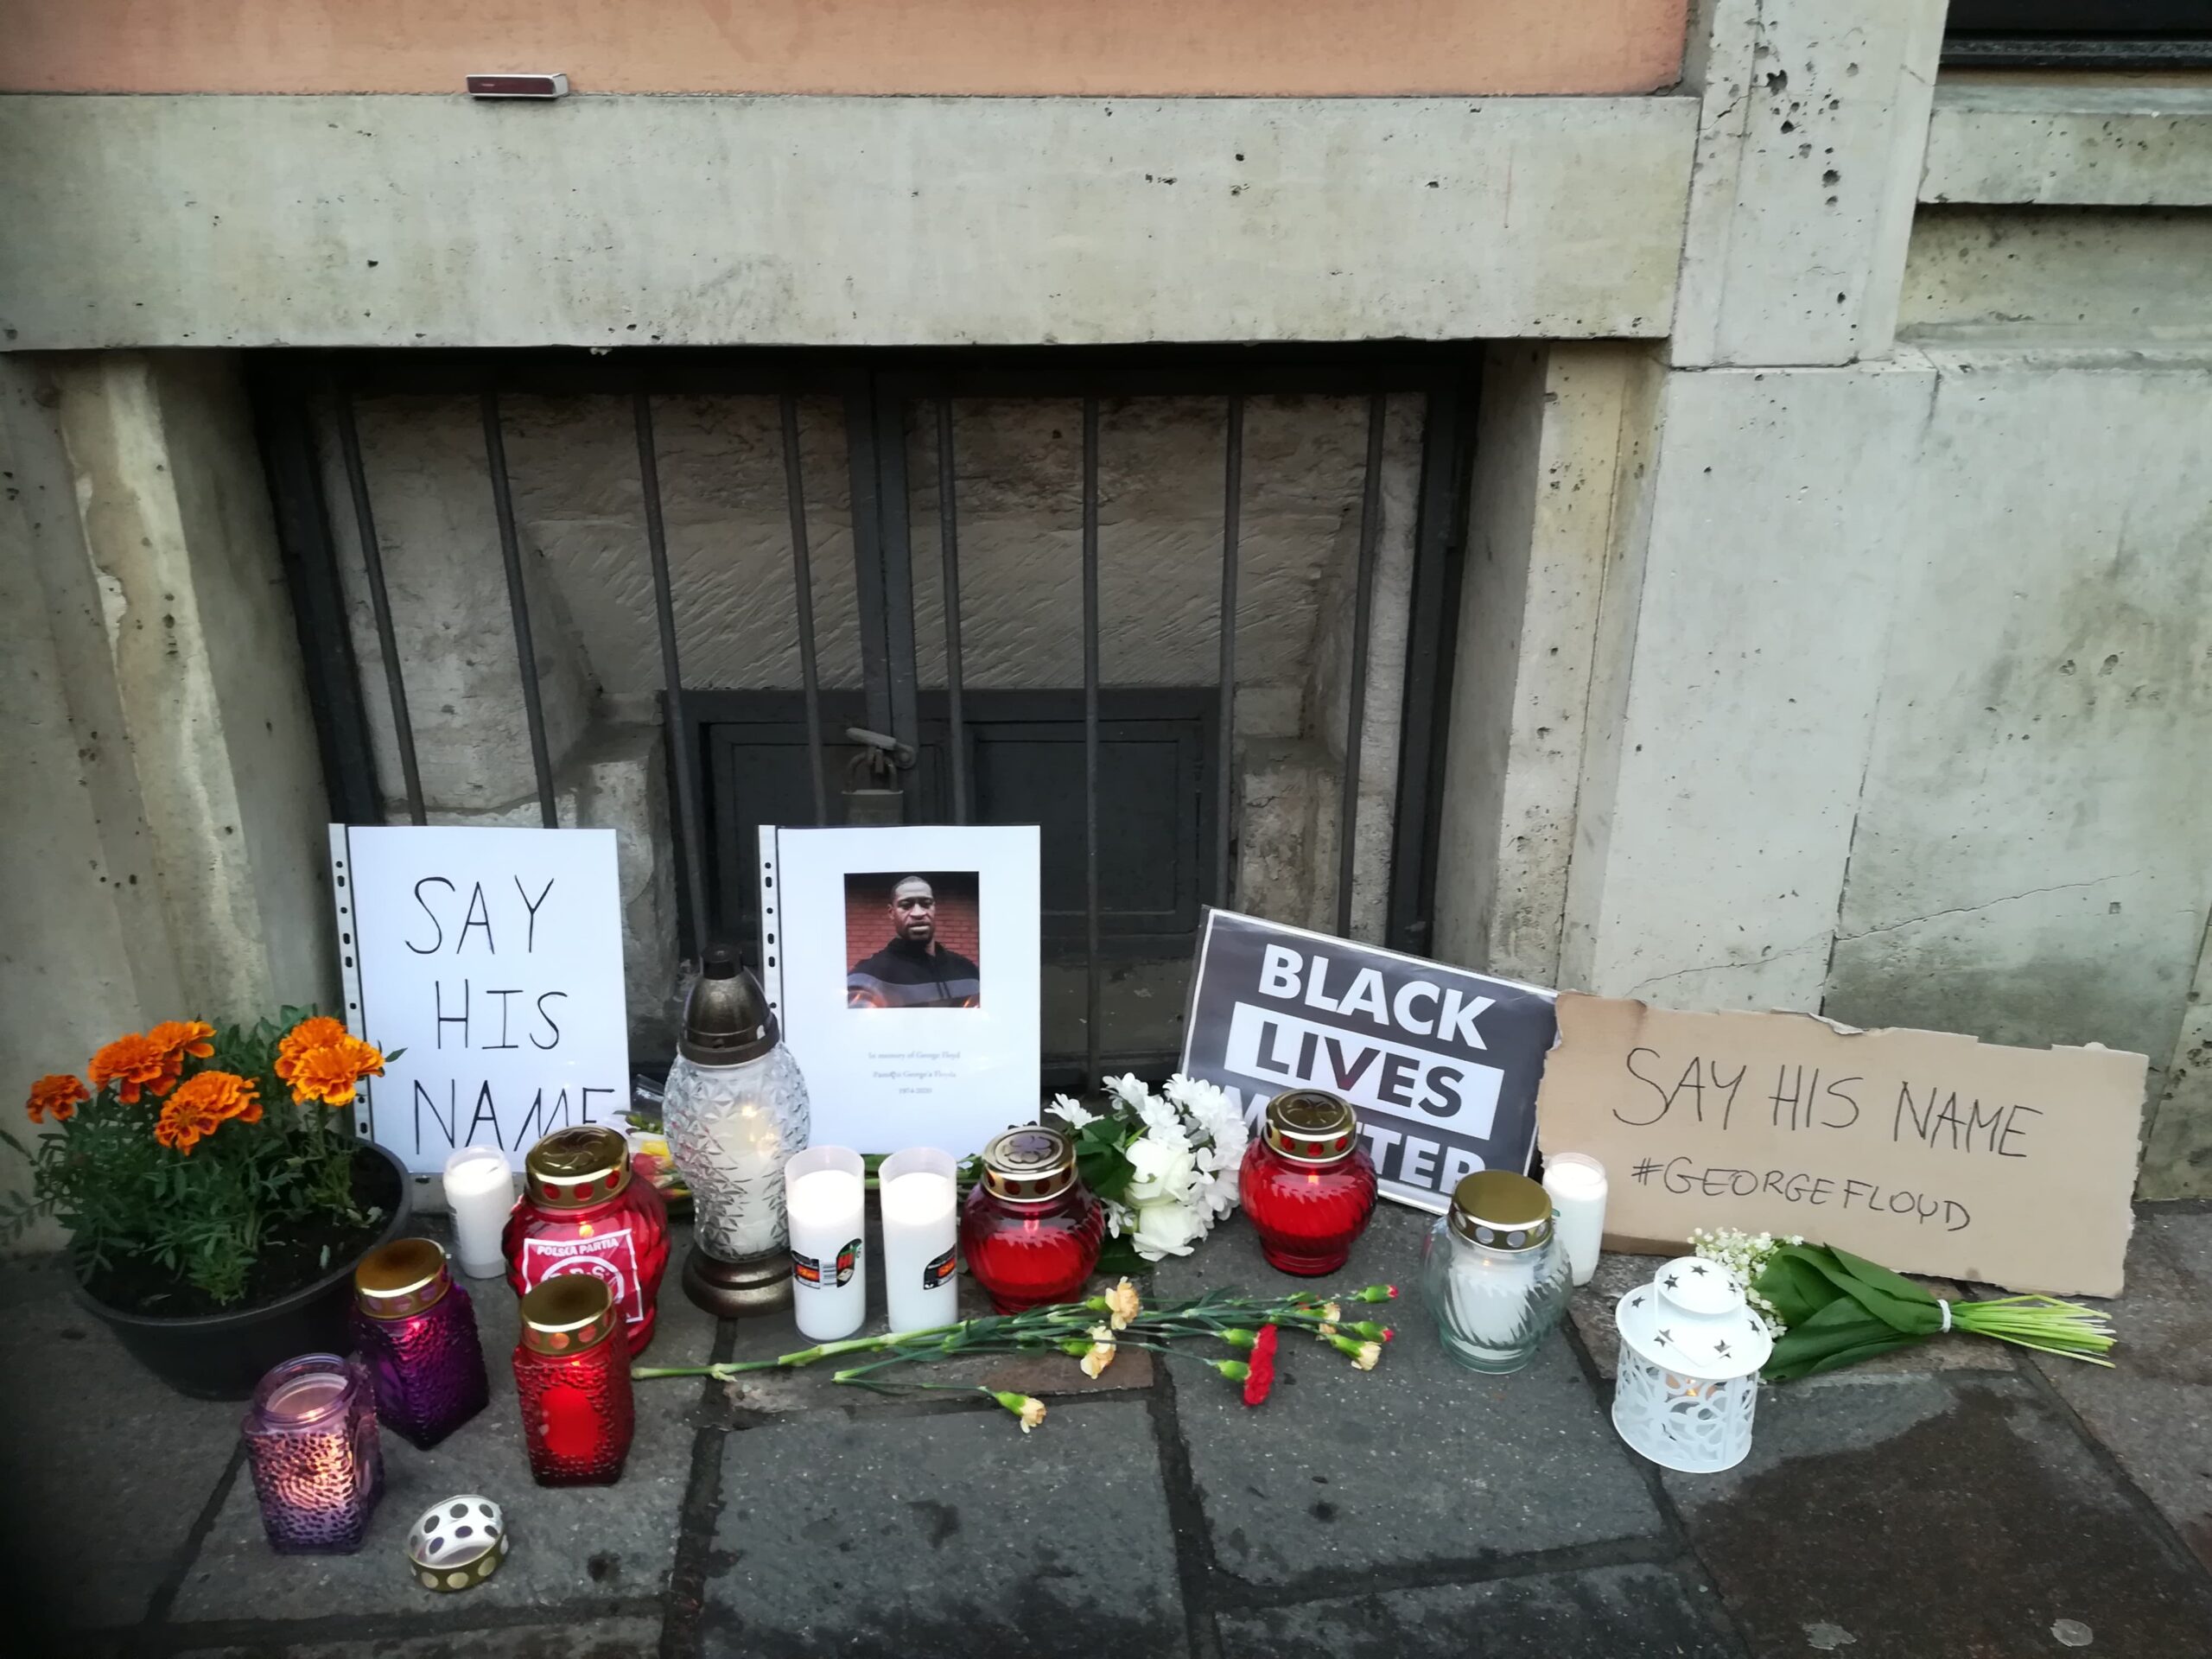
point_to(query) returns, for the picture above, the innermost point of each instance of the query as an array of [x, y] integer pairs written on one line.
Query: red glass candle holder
[[416, 1330], [1031, 1230], [318, 1467], [572, 1376], [1306, 1184], [582, 1212]]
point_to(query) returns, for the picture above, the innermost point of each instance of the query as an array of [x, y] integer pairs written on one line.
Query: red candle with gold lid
[[582, 1212], [572, 1377], [1031, 1229], [1306, 1184]]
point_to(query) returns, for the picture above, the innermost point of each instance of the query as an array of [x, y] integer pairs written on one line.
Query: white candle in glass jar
[[826, 1202], [1490, 1292], [920, 1224], [480, 1193], [1576, 1184]]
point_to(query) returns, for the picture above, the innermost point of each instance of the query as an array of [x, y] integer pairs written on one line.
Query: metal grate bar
[[1232, 516], [403, 728], [687, 758], [1090, 740], [948, 517], [802, 585], [503, 503], [1370, 531], [894, 548]]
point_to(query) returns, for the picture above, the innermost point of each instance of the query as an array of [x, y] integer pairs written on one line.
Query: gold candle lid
[[568, 1313], [571, 1168], [401, 1278], [1504, 1210], [1030, 1164], [1311, 1126]]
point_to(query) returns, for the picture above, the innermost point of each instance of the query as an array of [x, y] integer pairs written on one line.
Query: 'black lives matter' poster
[[1441, 1065]]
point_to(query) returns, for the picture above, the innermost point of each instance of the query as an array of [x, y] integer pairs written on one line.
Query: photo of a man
[[927, 918]]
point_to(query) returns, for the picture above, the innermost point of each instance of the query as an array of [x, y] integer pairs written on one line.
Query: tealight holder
[[416, 1330], [457, 1544], [1687, 1382], [311, 1443]]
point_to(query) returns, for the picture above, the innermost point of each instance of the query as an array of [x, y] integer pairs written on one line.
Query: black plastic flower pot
[[222, 1356]]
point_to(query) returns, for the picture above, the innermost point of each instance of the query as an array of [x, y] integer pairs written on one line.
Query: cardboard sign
[[1441, 1065], [1926, 1153], [494, 958], [903, 962]]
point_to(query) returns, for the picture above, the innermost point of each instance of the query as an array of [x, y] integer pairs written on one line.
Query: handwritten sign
[[1927, 1153], [494, 958], [1440, 1063]]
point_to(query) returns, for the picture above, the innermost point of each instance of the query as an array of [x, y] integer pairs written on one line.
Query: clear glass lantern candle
[[1687, 1382], [1492, 1273], [572, 1377], [1306, 1184], [1031, 1229], [318, 1467], [416, 1330], [736, 1111], [582, 1212]]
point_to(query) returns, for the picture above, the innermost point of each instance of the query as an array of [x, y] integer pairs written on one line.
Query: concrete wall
[[1157, 46], [621, 221]]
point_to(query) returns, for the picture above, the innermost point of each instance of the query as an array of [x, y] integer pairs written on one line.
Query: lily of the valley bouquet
[[1163, 1165]]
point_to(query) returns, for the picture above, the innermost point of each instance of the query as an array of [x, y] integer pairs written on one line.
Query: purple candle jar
[[417, 1330], [311, 1442]]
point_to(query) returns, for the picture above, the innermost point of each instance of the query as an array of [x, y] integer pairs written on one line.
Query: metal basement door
[[1019, 594]]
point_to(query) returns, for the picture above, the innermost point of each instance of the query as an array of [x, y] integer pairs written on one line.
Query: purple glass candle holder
[[416, 1331], [311, 1442]]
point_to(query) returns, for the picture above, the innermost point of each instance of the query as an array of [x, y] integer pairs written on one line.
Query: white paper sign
[[493, 958], [902, 962]]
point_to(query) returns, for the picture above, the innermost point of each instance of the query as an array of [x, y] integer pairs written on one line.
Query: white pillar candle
[[480, 1193], [826, 1200], [1577, 1184], [920, 1222]]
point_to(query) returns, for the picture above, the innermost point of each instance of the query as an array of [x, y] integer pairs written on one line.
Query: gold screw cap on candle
[[1311, 1126], [457, 1544], [1029, 1165], [1504, 1210], [570, 1169], [402, 1278], [568, 1313]]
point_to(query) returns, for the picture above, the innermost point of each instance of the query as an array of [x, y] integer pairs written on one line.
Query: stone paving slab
[[1592, 1310], [810, 1387], [105, 1471], [573, 1544], [945, 1536], [1909, 1517], [1419, 1462], [614, 1638], [2154, 1409], [1607, 1612]]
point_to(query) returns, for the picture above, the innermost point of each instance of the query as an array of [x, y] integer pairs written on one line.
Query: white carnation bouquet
[[1163, 1164]]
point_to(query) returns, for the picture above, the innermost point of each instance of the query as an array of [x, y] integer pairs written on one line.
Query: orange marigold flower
[[185, 1121], [180, 1037], [55, 1095], [319, 1031], [133, 1063], [332, 1073], [221, 1095]]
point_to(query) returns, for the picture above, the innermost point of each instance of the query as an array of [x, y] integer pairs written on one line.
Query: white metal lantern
[[1691, 1349]]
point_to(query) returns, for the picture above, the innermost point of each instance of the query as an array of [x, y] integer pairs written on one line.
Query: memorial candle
[[920, 1230], [311, 1442], [479, 1192], [827, 1204], [1577, 1185]]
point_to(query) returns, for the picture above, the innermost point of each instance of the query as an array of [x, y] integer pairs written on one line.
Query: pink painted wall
[[1127, 48]]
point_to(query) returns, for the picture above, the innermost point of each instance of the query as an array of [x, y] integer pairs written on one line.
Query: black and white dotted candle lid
[[458, 1543]]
